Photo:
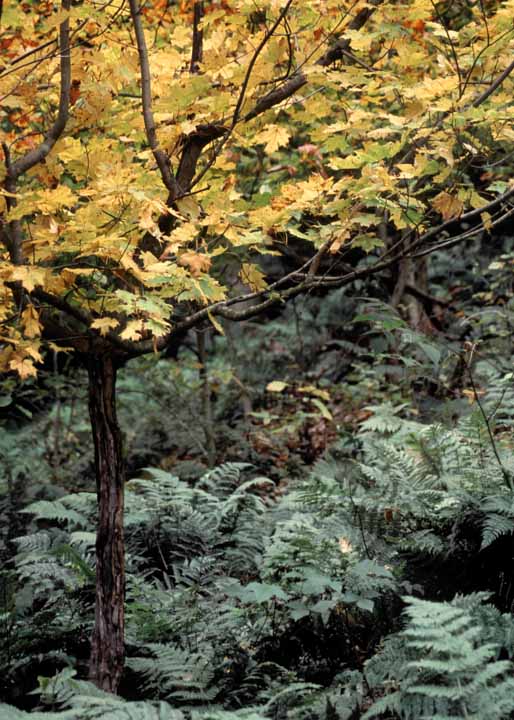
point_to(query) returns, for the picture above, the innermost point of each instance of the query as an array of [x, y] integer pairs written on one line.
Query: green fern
[[498, 517], [441, 668]]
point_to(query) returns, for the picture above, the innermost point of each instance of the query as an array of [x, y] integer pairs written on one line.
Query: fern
[[440, 667], [176, 674], [498, 517]]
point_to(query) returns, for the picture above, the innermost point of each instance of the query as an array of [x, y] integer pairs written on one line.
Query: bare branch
[[493, 86], [466, 218], [162, 160], [197, 48], [456, 239]]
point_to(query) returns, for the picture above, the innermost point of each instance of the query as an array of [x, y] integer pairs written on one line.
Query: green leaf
[[264, 592], [322, 408]]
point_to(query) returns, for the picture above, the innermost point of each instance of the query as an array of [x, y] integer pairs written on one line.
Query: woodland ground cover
[[349, 555], [256, 344]]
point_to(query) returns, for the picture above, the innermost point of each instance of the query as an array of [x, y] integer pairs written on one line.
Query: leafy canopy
[[123, 223]]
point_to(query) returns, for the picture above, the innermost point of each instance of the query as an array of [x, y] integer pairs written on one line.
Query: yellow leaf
[[30, 322], [273, 137], [33, 352], [338, 240], [56, 19], [313, 390], [215, 322], [472, 395], [325, 412], [23, 366], [196, 262], [29, 276], [133, 331], [276, 386], [104, 324], [487, 220], [146, 221], [157, 326], [49, 201], [184, 233], [69, 149], [253, 277], [447, 205], [189, 207], [69, 275], [59, 348]]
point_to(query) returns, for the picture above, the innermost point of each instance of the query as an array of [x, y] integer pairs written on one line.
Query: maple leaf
[[274, 137], [29, 276], [253, 277], [30, 321], [277, 386], [189, 207], [104, 324], [339, 239], [448, 205], [215, 323], [196, 262], [157, 326], [48, 201], [133, 331], [23, 366]]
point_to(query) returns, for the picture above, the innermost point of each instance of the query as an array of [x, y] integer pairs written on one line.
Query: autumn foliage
[[385, 133], [154, 154]]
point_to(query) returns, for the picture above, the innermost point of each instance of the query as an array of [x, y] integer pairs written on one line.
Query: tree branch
[[464, 219], [35, 156], [197, 47], [194, 143], [240, 100], [455, 240], [162, 160], [493, 86], [336, 52], [269, 33]]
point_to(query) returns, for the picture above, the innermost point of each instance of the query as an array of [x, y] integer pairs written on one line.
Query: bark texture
[[107, 644]]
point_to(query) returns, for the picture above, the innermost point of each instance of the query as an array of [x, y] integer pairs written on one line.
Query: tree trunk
[[412, 276], [107, 644]]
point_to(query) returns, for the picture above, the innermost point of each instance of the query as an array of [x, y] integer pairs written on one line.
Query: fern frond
[[445, 669]]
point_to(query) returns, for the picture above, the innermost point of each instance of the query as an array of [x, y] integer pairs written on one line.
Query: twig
[[299, 79], [450, 242], [505, 473], [493, 86]]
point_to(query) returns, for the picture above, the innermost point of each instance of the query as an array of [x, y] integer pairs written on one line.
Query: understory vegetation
[[256, 360], [319, 526]]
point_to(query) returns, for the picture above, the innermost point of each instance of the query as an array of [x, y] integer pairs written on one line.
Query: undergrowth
[[324, 602]]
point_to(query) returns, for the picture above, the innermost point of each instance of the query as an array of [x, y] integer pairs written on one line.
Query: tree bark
[[411, 273], [107, 644]]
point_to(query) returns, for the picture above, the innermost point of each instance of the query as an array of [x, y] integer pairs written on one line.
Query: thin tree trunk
[[107, 644], [208, 421], [413, 273]]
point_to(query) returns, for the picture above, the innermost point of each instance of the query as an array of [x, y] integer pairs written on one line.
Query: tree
[[154, 152]]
